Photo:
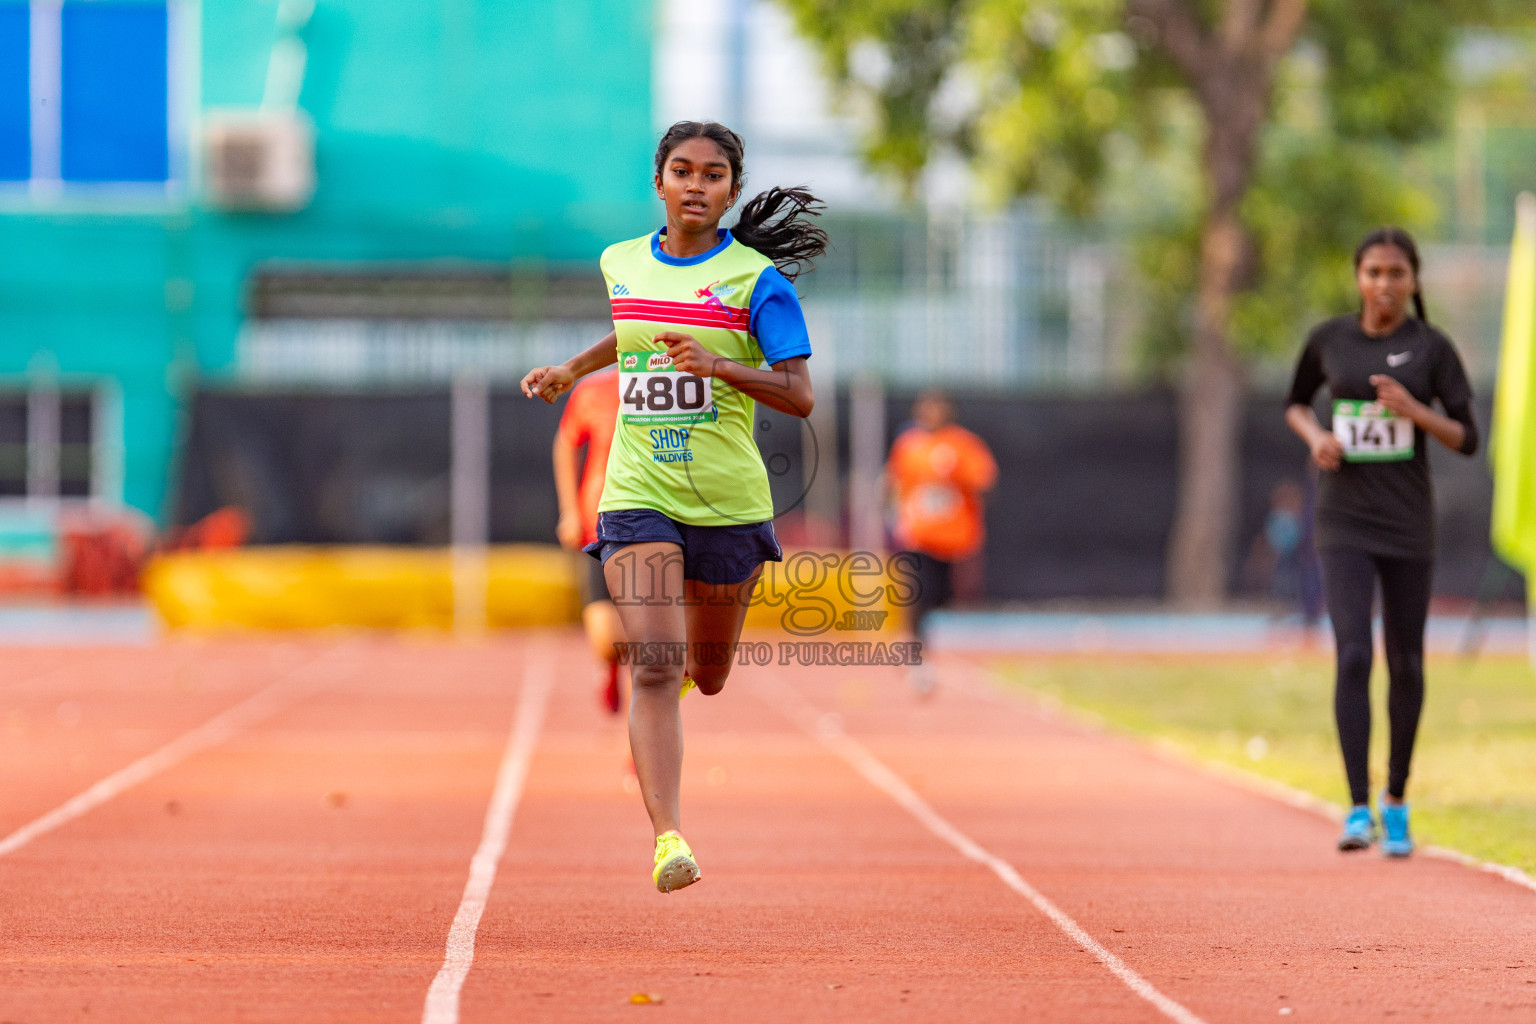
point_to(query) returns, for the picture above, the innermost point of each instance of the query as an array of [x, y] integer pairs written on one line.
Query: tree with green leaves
[[1293, 117]]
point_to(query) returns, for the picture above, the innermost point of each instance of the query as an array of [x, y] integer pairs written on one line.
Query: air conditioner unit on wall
[[259, 160]]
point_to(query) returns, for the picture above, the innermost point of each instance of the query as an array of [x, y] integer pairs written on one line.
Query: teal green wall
[[497, 130]]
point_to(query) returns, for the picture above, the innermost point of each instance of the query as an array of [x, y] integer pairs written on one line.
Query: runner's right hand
[[1327, 451], [548, 382]]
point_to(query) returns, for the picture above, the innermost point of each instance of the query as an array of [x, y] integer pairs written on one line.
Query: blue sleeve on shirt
[[778, 323]]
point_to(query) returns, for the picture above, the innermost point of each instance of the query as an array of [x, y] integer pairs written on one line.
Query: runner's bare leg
[[646, 582], [648, 591], [715, 616]]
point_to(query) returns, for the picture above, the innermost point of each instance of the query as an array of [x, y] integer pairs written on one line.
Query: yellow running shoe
[[675, 866], [688, 684]]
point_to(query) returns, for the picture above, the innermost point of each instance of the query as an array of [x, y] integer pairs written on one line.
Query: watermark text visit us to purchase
[[815, 593], [786, 652]]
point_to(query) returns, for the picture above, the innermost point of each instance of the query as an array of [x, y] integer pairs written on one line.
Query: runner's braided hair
[[776, 222], [1403, 242]]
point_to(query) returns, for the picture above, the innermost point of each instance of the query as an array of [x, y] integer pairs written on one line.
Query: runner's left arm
[[1454, 391], [786, 387], [777, 322], [1450, 432]]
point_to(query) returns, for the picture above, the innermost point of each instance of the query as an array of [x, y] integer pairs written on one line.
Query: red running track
[[306, 862]]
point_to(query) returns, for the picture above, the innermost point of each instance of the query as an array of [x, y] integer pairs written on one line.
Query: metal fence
[[1009, 301], [1012, 302]]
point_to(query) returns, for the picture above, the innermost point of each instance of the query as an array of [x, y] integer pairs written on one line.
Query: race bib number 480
[[652, 390], [1370, 432]]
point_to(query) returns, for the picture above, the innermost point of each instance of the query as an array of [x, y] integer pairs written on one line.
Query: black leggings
[[1349, 577], [935, 588]]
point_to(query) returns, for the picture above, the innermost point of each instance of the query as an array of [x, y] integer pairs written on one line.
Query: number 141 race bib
[[1370, 432], [652, 390]]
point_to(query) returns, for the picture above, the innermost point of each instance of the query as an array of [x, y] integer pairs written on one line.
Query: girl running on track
[[685, 521], [1375, 506]]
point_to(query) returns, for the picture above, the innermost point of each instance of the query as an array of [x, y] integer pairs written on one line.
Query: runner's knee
[[1355, 664], [647, 677], [710, 679], [1406, 670]]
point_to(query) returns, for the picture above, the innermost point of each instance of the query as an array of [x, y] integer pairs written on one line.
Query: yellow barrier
[[810, 594], [376, 588], [830, 595]]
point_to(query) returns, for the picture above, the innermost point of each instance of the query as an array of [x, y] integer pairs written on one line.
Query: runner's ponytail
[[777, 222], [774, 223], [1403, 242]]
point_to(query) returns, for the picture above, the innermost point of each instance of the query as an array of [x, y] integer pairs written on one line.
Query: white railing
[[1003, 302]]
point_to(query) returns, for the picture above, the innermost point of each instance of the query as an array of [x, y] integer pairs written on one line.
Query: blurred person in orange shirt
[[938, 472], [588, 420]]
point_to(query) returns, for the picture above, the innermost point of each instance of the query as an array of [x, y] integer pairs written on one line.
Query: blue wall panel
[[114, 103], [15, 99], [444, 131]]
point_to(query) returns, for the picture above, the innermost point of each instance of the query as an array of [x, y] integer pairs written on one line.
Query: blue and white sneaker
[[1359, 829], [1394, 822]]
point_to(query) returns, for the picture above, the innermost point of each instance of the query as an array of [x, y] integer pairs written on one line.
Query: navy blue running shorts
[[711, 554]]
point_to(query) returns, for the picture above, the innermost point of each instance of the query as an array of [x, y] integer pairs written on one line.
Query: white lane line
[[1004, 691], [261, 705], [442, 1005], [828, 729]]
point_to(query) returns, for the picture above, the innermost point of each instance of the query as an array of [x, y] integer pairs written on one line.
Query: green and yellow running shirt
[[683, 444]]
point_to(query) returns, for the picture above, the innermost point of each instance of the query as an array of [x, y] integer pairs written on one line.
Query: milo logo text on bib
[[1370, 432], [652, 390]]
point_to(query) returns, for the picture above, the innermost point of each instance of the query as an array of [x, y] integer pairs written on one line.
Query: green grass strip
[[1473, 787]]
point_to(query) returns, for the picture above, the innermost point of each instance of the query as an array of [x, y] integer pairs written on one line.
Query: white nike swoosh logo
[[1398, 358]]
